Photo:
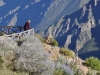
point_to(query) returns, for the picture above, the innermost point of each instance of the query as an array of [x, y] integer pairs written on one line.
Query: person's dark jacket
[[26, 26]]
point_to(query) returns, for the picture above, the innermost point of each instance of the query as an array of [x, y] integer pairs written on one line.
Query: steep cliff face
[[84, 35], [76, 30], [57, 9]]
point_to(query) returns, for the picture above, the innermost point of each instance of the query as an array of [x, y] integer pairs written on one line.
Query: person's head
[[29, 21]]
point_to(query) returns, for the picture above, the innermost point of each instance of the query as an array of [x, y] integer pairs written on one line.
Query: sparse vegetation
[[60, 72], [62, 59], [39, 36], [5, 71], [90, 71], [62, 69], [66, 52], [53, 42], [73, 65]]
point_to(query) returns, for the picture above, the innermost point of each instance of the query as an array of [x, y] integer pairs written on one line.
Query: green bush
[[93, 62], [60, 72], [66, 52], [53, 42]]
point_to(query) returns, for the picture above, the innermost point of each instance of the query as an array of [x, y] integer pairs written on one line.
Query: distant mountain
[[79, 30], [18, 12], [42, 13], [57, 9]]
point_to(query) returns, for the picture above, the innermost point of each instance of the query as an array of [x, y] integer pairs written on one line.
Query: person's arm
[[29, 26]]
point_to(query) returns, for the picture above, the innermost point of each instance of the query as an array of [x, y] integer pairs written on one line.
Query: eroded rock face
[[84, 36], [81, 32], [75, 30], [68, 41]]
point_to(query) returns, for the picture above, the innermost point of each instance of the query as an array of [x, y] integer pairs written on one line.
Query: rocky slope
[[31, 56], [35, 55]]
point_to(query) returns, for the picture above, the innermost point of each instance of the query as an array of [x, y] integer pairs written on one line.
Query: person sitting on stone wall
[[27, 25]]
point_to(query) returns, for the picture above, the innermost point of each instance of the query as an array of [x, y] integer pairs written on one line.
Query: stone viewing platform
[[16, 32], [11, 29]]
